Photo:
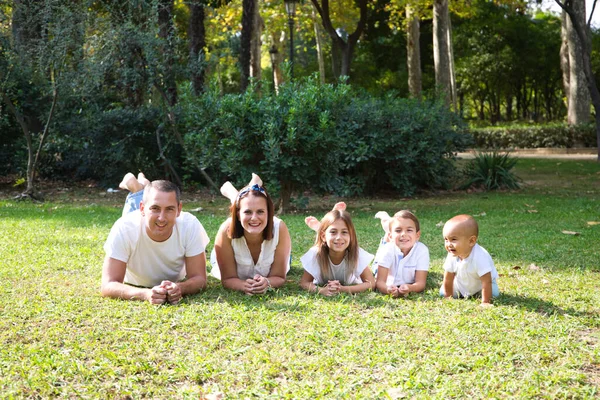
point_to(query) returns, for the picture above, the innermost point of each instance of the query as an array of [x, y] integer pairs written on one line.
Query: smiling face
[[337, 238], [404, 233], [459, 239], [160, 210], [253, 214]]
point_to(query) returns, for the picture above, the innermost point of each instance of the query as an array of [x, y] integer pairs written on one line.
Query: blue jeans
[[132, 202]]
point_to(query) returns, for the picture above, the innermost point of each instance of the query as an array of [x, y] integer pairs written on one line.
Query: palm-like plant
[[491, 171]]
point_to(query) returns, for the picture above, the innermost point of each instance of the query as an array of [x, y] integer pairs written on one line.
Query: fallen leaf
[[213, 396], [516, 267], [396, 394], [534, 267], [528, 205], [532, 211], [592, 223], [439, 224], [198, 209], [545, 281], [483, 214], [571, 233]]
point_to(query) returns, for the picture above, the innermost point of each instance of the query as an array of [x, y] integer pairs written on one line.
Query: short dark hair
[[162, 186], [235, 229]]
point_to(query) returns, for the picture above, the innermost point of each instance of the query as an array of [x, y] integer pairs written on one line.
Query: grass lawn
[[59, 338]]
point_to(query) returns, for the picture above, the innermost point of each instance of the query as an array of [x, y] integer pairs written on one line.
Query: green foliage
[[491, 171], [324, 138], [534, 136], [508, 63], [101, 144]]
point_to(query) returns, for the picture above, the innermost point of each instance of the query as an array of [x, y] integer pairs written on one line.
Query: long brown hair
[[235, 228], [323, 249]]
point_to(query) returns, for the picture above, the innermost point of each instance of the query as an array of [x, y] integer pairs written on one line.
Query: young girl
[[336, 261], [402, 262]]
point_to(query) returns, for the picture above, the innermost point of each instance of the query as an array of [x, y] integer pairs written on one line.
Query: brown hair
[[235, 228], [162, 186], [405, 214], [323, 249]]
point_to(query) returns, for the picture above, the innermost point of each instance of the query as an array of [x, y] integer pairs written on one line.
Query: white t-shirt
[[402, 269], [470, 270], [150, 262], [311, 265], [246, 269]]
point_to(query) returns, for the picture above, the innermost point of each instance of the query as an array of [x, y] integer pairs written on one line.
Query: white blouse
[[246, 268], [311, 265]]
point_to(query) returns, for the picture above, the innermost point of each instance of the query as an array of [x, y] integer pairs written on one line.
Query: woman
[[252, 248]]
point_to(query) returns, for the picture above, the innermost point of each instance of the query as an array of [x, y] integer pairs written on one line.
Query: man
[[149, 251]]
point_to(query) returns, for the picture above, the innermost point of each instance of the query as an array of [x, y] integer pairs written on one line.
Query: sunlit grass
[[61, 339]]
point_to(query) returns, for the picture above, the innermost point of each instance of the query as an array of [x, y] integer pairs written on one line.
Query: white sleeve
[[485, 263], [449, 264], [116, 245], [364, 259], [196, 238], [385, 255], [311, 265], [422, 259]]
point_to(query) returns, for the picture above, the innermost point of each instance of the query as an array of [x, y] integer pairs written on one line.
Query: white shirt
[[402, 269], [470, 270], [149, 262], [246, 268], [311, 265]]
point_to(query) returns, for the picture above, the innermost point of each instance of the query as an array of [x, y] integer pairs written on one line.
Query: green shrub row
[[323, 138], [529, 137]]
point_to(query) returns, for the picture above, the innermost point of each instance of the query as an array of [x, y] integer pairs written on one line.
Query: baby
[[469, 268]]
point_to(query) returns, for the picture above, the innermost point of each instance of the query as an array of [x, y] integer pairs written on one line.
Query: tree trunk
[[255, 44], [346, 48], [276, 59], [248, 7], [583, 35], [319, 43], [442, 51], [166, 31], [578, 99], [413, 53], [197, 35], [564, 56]]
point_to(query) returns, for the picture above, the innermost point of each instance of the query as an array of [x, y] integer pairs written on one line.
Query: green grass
[[59, 338]]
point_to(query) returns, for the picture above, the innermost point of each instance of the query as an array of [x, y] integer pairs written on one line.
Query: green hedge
[[323, 138], [529, 137]]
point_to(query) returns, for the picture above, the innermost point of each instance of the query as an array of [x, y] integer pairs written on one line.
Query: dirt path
[[565, 154]]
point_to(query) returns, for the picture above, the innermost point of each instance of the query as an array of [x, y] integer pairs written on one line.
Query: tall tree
[[256, 44], [345, 47], [248, 15], [413, 51], [583, 33], [442, 51], [166, 31], [44, 39], [318, 40], [576, 91], [197, 39]]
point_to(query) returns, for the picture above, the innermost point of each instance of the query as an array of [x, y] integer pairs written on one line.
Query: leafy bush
[[323, 138], [491, 171], [534, 136], [103, 144]]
